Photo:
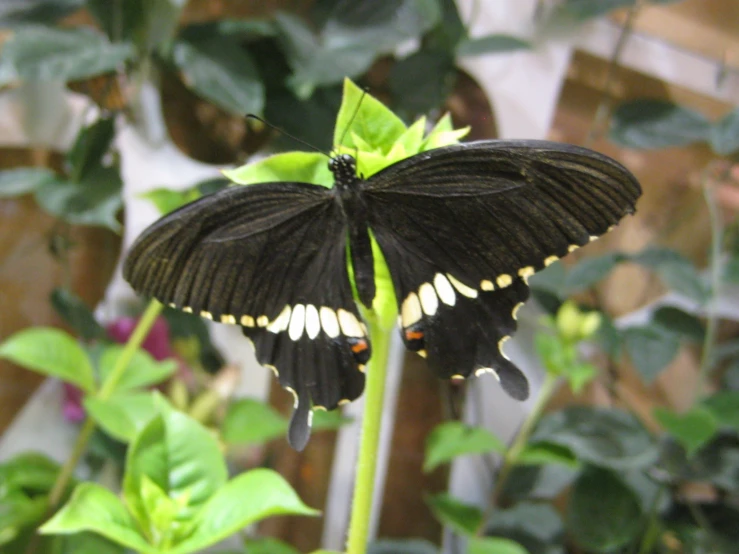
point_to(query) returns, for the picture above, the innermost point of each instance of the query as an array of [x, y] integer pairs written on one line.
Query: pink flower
[[157, 342], [72, 404]]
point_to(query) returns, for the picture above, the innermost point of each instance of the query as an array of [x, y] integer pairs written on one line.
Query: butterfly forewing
[[463, 227], [271, 258]]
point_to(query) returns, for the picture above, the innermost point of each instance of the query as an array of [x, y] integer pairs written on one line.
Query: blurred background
[[112, 111]]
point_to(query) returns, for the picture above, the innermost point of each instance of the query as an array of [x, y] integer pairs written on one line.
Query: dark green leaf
[[547, 453], [96, 509], [92, 144], [407, 546], [731, 270], [603, 514], [121, 23], [226, 512], [651, 349], [604, 437], [725, 408], [182, 458], [250, 421], [462, 518], [76, 314], [550, 279], [17, 513], [124, 415], [38, 53], [422, 81], [494, 545], [588, 9], [650, 123], [30, 472], [219, 70], [329, 421], [88, 543], [454, 438], [731, 376], [692, 429], [241, 29], [538, 482], [50, 352], [588, 271], [677, 321], [24, 180], [267, 546], [609, 337], [536, 527], [725, 134], [13, 12], [95, 201], [675, 270], [651, 495], [491, 44]]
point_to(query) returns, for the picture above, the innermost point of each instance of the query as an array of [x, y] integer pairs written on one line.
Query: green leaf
[[94, 201], [368, 118], [603, 514], [692, 429], [651, 349], [96, 509], [30, 472], [182, 458], [89, 543], [219, 70], [677, 272], [650, 123], [124, 415], [725, 134], [50, 352], [142, 370], [305, 167], [404, 546], [268, 546], [23, 180], [494, 545], [725, 408], [604, 437], [41, 53], [329, 420], [580, 375], [588, 271], [680, 322], [18, 512], [421, 82], [538, 528], [443, 134], [91, 145], [463, 518], [538, 482], [547, 453], [555, 354], [491, 44], [168, 200], [454, 438], [251, 421], [36, 11], [246, 499], [72, 309]]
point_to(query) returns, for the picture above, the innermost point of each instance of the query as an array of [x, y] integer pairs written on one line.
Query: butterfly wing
[[462, 227], [272, 258]]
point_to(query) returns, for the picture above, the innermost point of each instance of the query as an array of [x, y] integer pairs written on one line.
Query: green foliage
[[491, 44], [249, 421], [724, 136], [651, 349], [692, 429], [76, 314], [454, 438], [494, 546], [124, 414], [410, 546], [143, 370], [50, 352], [24, 180], [463, 518], [538, 528]]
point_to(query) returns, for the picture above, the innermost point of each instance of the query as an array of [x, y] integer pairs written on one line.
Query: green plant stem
[[374, 397], [108, 387], [548, 387], [652, 531], [709, 341]]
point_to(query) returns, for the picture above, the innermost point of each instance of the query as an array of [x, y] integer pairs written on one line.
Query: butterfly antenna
[[283, 132], [351, 119]]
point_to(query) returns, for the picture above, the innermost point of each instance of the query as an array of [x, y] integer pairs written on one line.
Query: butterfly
[[461, 229]]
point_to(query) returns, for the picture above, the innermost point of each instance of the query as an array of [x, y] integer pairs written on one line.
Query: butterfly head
[[344, 169]]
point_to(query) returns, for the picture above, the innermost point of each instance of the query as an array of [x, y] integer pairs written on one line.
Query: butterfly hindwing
[[485, 216], [271, 258]]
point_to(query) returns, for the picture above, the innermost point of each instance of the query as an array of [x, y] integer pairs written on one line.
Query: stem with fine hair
[[374, 397]]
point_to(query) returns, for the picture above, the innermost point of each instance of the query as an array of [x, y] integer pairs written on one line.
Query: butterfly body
[[461, 228]]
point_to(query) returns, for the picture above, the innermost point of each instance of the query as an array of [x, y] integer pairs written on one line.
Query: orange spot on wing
[[359, 347], [414, 335]]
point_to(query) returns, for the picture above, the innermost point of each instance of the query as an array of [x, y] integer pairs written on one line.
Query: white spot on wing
[[504, 280], [501, 342], [526, 272], [487, 285], [187, 309], [410, 311], [517, 307], [550, 260], [228, 319], [247, 321], [483, 370], [312, 322], [206, 314], [292, 391], [262, 321], [329, 323], [572, 247], [297, 322], [444, 290], [462, 289], [429, 300], [349, 324], [281, 321]]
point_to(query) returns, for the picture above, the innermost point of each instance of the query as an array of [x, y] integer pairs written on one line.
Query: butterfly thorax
[[348, 187]]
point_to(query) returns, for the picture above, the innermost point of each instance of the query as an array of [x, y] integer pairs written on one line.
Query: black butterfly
[[461, 227]]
